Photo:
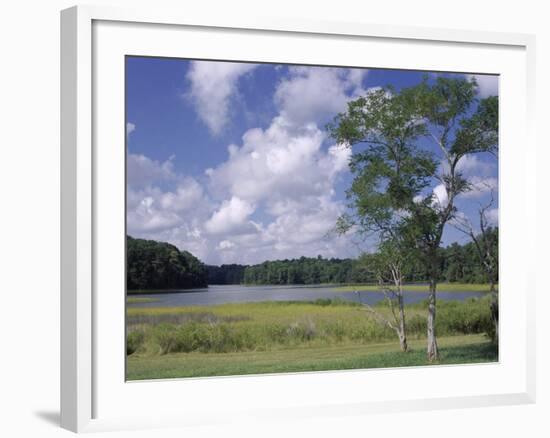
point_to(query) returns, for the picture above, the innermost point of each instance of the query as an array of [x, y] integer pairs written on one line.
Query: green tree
[[159, 265], [393, 167]]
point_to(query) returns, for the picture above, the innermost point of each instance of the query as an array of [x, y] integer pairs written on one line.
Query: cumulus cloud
[[151, 209], [232, 217], [274, 195], [303, 226], [213, 85], [285, 172], [487, 85], [142, 170], [281, 163], [147, 215], [311, 94], [187, 195]]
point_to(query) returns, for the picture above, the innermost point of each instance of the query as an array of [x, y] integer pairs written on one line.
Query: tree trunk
[[432, 351], [402, 329]]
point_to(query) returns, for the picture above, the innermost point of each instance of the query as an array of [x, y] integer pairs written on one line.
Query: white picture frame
[[92, 391]]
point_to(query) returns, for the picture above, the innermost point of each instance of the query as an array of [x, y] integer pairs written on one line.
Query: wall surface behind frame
[[29, 180]]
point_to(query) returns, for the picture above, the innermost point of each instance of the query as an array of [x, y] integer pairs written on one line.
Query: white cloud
[[304, 226], [440, 196], [232, 217], [469, 165], [142, 170], [275, 192], [213, 84], [487, 85], [293, 233], [283, 171], [311, 94], [186, 196], [480, 186], [147, 217], [151, 209], [130, 127], [282, 163], [226, 244], [286, 174], [492, 216]]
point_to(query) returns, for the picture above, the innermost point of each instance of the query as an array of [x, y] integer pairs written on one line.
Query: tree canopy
[[159, 265]]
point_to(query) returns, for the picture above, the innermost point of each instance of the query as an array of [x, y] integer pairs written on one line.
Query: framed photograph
[[291, 218]]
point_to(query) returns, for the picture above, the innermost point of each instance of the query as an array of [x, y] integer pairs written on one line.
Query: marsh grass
[[140, 319], [265, 326]]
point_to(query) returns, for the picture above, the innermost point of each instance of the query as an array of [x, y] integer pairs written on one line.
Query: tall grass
[[273, 325]]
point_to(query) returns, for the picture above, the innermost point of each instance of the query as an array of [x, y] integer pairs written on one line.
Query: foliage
[[462, 262], [134, 341], [159, 265], [226, 274], [307, 270]]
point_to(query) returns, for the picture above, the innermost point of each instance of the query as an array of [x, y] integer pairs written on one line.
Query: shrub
[[134, 341], [301, 331], [417, 325]]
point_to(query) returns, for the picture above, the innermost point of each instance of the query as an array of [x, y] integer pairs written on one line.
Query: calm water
[[240, 294]]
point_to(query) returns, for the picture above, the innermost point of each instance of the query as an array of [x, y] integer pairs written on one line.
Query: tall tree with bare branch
[[486, 245], [393, 166]]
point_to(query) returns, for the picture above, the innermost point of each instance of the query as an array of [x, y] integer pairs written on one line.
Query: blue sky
[[231, 161]]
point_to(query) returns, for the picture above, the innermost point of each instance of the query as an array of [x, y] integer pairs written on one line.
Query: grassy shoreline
[[344, 287]]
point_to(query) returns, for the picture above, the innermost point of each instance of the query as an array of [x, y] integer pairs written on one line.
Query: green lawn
[[454, 350], [441, 287]]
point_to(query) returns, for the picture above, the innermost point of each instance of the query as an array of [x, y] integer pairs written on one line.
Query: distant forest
[[157, 265]]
